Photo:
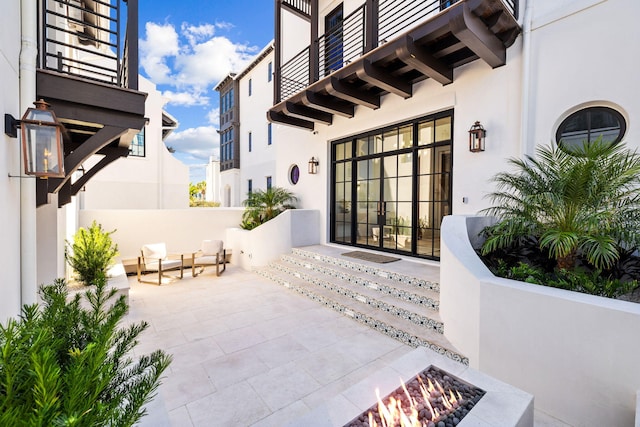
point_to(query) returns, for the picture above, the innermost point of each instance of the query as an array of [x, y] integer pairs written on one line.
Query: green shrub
[[65, 365], [264, 205], [91, 253], [593, 282]]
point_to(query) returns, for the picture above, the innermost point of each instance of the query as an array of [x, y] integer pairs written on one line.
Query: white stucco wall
[[181, 229], [156, 181], [265, 243], [212, 192], [260, 162], [576, 353], [293, 24], [574, 65], [10, 159]]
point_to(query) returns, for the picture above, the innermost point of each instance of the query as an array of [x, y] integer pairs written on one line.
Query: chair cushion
[[155, 250], [211, 247], [206, 260], [166, 265]]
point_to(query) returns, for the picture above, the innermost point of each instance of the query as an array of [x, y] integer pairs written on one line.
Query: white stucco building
[[150, 177], [387, 103]]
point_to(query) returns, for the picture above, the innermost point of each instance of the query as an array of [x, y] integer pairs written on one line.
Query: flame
[[393, 414]]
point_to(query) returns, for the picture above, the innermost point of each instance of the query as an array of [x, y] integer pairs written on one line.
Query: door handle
[[382, 208]]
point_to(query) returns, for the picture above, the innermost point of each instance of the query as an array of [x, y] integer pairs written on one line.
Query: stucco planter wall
[[265, 243], [577, 354]]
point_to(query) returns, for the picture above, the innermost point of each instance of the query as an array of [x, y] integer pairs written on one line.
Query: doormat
[[367, 256]]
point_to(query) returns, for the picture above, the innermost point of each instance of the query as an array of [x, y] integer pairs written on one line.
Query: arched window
[[589, 124]]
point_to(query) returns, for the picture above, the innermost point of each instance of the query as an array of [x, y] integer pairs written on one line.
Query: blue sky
[[186, 48]]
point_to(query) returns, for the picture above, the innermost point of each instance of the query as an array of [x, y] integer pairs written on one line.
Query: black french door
[[392, 187]]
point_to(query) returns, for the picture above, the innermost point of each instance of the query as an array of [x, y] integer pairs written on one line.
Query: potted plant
[[568, 218], [91, 253], [423, 224]]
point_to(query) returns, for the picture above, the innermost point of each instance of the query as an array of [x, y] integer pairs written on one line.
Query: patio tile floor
[[248, 352]]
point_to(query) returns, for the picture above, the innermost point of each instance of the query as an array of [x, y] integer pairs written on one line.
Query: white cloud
[[160, 44], [186, 99], [193, 60], [213, 117], [194, 33], [195, 145]]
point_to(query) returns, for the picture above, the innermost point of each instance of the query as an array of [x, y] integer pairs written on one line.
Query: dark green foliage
[[568, 219], [91, 253], [584, 204], [591, 282], [65, 365], [263, 205]]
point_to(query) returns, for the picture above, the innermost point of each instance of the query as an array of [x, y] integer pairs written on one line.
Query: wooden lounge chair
[[212, 252], [154, 258]]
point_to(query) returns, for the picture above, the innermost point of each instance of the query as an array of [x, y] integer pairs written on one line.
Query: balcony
[[88, 72], [383, 47]]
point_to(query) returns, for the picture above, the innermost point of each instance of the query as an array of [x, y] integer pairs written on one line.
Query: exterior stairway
[[396, 299]]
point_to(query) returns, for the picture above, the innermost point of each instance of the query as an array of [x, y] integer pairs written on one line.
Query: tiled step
[[364, 295], [368, 269], [422, 296], [390, 301]]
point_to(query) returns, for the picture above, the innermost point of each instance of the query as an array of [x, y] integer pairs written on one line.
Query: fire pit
[[433, 398], [488, 402]]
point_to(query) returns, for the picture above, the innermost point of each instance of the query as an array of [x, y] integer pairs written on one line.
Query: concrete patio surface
[[247, 352]]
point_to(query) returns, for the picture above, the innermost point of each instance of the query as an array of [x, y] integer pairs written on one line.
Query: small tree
[[91, 253], [65, 365], [263, 205], [580, 202]]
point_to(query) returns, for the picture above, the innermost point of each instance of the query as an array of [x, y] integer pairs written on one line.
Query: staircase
[[395, 298]]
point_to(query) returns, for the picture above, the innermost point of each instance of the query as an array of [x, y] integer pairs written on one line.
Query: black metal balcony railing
[[83, 38], [295, 74], [304, 6], [343, 45]]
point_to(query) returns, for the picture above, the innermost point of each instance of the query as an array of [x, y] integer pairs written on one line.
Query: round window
[[589, 124], [294, 174]]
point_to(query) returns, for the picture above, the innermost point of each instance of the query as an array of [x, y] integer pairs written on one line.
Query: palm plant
[[579, 202], [263, 205]]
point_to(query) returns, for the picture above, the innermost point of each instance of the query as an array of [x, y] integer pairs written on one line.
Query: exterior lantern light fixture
[[313, 166], [41, 140], [477, 135]]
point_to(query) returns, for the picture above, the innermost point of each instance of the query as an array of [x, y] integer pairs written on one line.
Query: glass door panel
[[402, 187]]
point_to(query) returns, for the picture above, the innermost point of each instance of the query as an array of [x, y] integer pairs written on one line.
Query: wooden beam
[[113, 154], [327, 104], [88, 148], [306, 113], [379, 77], [276, 117], [471, 31], [351, 94], [58, 89], [411, 54]]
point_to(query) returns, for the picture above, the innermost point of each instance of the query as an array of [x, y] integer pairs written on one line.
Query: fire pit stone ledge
[[502, 405]]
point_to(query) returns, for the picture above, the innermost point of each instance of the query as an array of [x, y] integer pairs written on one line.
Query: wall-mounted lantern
[[477, 136], [313, 166], [41, 140]]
